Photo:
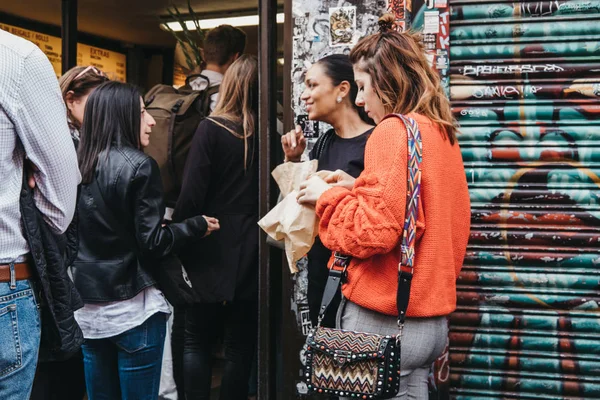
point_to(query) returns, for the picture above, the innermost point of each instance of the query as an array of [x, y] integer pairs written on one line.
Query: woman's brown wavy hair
[[402, 77], [70, 81]]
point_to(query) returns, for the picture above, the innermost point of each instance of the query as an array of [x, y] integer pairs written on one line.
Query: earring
[[339, 99]]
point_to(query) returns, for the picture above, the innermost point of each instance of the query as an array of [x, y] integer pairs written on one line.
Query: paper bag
[[295, 224]]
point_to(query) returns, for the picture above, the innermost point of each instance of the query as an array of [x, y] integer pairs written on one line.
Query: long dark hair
[[339, 69], [111, 118]]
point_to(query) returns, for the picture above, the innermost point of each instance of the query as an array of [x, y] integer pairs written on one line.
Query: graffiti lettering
[[506, 92], [498, 11], [444, 30], [444, 42], [481, 70], [540, 8], [474, 112], [491, 33], [496, 91], [397, 7], [444, 368], [572, 8], [534, 184]]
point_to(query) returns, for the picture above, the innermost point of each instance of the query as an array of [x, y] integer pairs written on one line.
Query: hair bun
[[386, 23]]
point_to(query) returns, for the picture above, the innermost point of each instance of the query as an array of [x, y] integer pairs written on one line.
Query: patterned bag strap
[[409, 234], [337, 271]]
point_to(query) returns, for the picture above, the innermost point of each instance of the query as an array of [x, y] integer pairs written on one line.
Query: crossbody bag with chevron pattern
[[366, 365]]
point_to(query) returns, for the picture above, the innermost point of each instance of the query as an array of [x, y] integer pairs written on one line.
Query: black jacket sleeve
[[152, 237]]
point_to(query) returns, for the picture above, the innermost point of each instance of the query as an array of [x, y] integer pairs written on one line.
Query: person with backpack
[[177, 113], [221, 178], [330, 97], [222, 46], [122, 240]]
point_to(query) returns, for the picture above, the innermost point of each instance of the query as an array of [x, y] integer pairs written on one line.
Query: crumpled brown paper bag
[[297, 225]]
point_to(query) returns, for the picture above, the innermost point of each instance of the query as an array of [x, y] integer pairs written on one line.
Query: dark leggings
[[177, 338], [203, 323]]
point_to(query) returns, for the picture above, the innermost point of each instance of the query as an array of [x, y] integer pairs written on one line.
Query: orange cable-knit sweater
[[367, 222]]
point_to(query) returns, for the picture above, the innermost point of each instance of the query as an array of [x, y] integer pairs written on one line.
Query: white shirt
[[215, 79], [104, 320], [33, 123]]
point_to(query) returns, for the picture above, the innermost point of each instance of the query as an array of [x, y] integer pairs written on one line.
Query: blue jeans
[[19, 340], [126, 366]]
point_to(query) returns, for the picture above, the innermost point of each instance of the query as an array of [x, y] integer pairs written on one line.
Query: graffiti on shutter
[[525, 88]]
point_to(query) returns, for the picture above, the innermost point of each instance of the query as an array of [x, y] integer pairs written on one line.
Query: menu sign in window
[[50, 45], [110, 62]]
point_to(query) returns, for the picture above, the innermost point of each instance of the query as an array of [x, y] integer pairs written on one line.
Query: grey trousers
[[423, 341]]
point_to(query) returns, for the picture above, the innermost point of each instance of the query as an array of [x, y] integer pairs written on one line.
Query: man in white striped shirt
[[33, 125]]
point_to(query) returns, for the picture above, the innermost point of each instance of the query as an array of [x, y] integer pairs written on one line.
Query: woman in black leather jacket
[[55, 377], [121, 237]]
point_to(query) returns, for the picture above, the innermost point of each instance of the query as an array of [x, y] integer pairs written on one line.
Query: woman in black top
[[221, 179], [121, 237], [329, 97]]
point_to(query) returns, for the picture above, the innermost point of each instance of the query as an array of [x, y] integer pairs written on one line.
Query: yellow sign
[[50, 45], [110, 62]]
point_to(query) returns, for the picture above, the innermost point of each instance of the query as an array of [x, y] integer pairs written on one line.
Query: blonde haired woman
[[221, 179]]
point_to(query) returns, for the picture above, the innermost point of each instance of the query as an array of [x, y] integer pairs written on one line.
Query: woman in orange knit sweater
[[364, 218]]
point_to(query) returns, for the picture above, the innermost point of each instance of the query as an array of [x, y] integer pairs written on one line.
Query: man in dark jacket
[[33, 125]]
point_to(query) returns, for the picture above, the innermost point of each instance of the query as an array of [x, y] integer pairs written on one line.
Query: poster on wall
[[342, 26], [110, 62], [432, 18], [402, 11], [432, 22]]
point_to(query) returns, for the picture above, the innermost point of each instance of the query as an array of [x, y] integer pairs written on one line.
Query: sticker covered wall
[[432, 19], [324, 27]]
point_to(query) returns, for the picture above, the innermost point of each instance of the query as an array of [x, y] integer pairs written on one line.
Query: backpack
[[177, 113]]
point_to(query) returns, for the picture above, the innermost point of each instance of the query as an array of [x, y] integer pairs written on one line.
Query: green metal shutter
[[525, 87]]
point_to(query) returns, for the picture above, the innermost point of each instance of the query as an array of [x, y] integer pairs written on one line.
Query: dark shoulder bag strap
[[337, 271]]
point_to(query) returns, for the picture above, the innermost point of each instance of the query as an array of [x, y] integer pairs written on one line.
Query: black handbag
[[366, 365], [168, 272]]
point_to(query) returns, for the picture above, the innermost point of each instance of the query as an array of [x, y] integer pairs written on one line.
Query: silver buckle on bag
[[399, 335], [341, 260], [342, 357]]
